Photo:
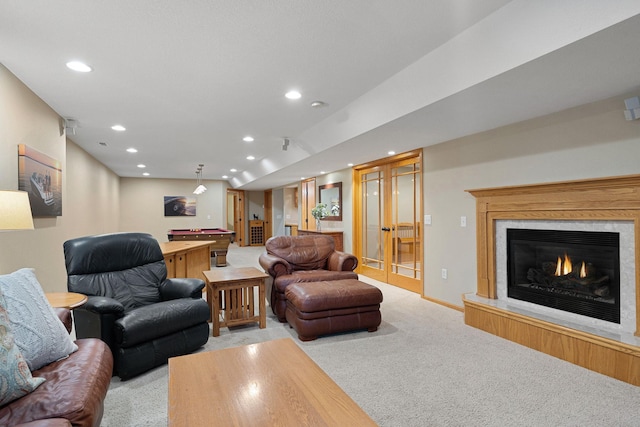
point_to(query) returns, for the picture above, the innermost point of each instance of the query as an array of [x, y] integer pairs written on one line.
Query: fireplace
[[573, 271], [593, 205]]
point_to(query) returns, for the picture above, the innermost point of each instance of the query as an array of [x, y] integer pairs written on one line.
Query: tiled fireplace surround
[[605, 204]]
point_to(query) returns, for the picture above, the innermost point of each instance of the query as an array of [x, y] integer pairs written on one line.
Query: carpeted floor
[[423, 367]]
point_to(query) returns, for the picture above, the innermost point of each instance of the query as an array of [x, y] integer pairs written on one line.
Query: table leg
[[209, 291], [261, 305], [215, 311]]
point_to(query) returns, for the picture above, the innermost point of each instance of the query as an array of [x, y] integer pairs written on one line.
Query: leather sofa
[[296, 259], [74, 389], [144, 317]]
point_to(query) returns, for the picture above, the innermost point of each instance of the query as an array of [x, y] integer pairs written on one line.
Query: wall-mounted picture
[[179, 206], [41, 177]]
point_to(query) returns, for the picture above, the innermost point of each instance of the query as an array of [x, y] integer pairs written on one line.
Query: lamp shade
[[15, 211], [200, 189]]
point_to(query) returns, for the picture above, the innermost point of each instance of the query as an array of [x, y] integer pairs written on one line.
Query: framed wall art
[[179, 206], [40, 176]]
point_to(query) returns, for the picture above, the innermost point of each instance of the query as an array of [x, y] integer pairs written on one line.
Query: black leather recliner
[[144, 317]]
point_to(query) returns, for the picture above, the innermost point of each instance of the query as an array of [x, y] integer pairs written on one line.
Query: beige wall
[[142, 205], [89, 190], [589, 141], [345, 225]]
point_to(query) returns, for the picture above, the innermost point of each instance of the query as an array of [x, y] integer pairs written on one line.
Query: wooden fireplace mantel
[[604, 199]]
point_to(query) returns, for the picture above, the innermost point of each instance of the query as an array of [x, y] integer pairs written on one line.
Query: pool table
[[219, 237]]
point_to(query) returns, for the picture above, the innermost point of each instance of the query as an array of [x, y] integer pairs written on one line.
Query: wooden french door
[[308, 190], [268, 214], [388, 230], [235, 215]]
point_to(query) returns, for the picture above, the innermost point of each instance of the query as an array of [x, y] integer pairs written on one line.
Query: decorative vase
[[318, 227]]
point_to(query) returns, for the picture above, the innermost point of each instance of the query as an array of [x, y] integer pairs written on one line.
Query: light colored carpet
[[423, 367]]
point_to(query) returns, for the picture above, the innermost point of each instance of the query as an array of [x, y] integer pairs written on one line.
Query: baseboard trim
[[608, 357], [444, 303]]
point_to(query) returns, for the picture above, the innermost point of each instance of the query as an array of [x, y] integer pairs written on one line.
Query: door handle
[[385, 229]]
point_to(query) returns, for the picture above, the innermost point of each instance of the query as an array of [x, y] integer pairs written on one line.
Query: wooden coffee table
[[265, 384], [231, 299]]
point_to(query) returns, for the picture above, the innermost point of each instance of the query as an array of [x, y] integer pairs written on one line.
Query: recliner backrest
[[308, 252], [128, 267]]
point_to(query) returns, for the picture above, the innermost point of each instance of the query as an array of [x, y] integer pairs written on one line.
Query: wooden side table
[[69, 300], [230, 295]]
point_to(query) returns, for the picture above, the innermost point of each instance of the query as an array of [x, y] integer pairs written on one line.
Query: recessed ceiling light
[[391, 153], [225, 176], [146, 174], [78, 66], [141, 166], [318, 104], [349, 164], [322, 172], [250, 158], [131, 150], [233, 170], [248, 138], [118, 128], [293, 94], [104, 144]]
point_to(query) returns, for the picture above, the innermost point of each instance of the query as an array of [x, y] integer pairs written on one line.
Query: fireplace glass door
[[574, 271]]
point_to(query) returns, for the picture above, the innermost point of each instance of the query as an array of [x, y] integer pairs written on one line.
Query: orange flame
[[559, 267], [567, 267], [564, 267]]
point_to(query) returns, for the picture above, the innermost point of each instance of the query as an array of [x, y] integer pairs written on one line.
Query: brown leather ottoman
[[320, 308]]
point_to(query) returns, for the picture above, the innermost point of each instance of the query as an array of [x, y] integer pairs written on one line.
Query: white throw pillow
[[38, 332], [15, 377]]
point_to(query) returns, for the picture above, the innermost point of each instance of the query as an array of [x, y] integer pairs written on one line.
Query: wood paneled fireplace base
[[603, 355], [604, 199]]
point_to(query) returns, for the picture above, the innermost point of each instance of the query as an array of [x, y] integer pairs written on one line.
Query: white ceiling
[[189, 79]]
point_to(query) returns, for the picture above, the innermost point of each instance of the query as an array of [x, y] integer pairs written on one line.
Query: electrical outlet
[[463, 221], [444, 273]]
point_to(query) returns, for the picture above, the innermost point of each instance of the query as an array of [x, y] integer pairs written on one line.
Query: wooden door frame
[[239, 221], [268, 214], [357, 207], [308, 202]]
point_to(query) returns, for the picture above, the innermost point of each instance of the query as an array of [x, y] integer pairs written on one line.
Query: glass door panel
[[372, 199], [389, 228], [405, 192]]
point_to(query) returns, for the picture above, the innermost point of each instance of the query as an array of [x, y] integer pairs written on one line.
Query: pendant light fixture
[[200, 188]]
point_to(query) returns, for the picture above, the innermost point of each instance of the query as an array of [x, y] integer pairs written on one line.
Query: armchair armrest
[[96, 317], [181, 288], [274, 265], [103, 305], [341, 261], [64, 314], [48, 422]]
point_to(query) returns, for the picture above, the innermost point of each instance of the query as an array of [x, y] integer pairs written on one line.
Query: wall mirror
[[331, 195]]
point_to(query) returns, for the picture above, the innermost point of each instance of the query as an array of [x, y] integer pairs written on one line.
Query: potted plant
[[319, 212]]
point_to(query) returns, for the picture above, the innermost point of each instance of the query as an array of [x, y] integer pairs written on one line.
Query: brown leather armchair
[[295, 259]]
